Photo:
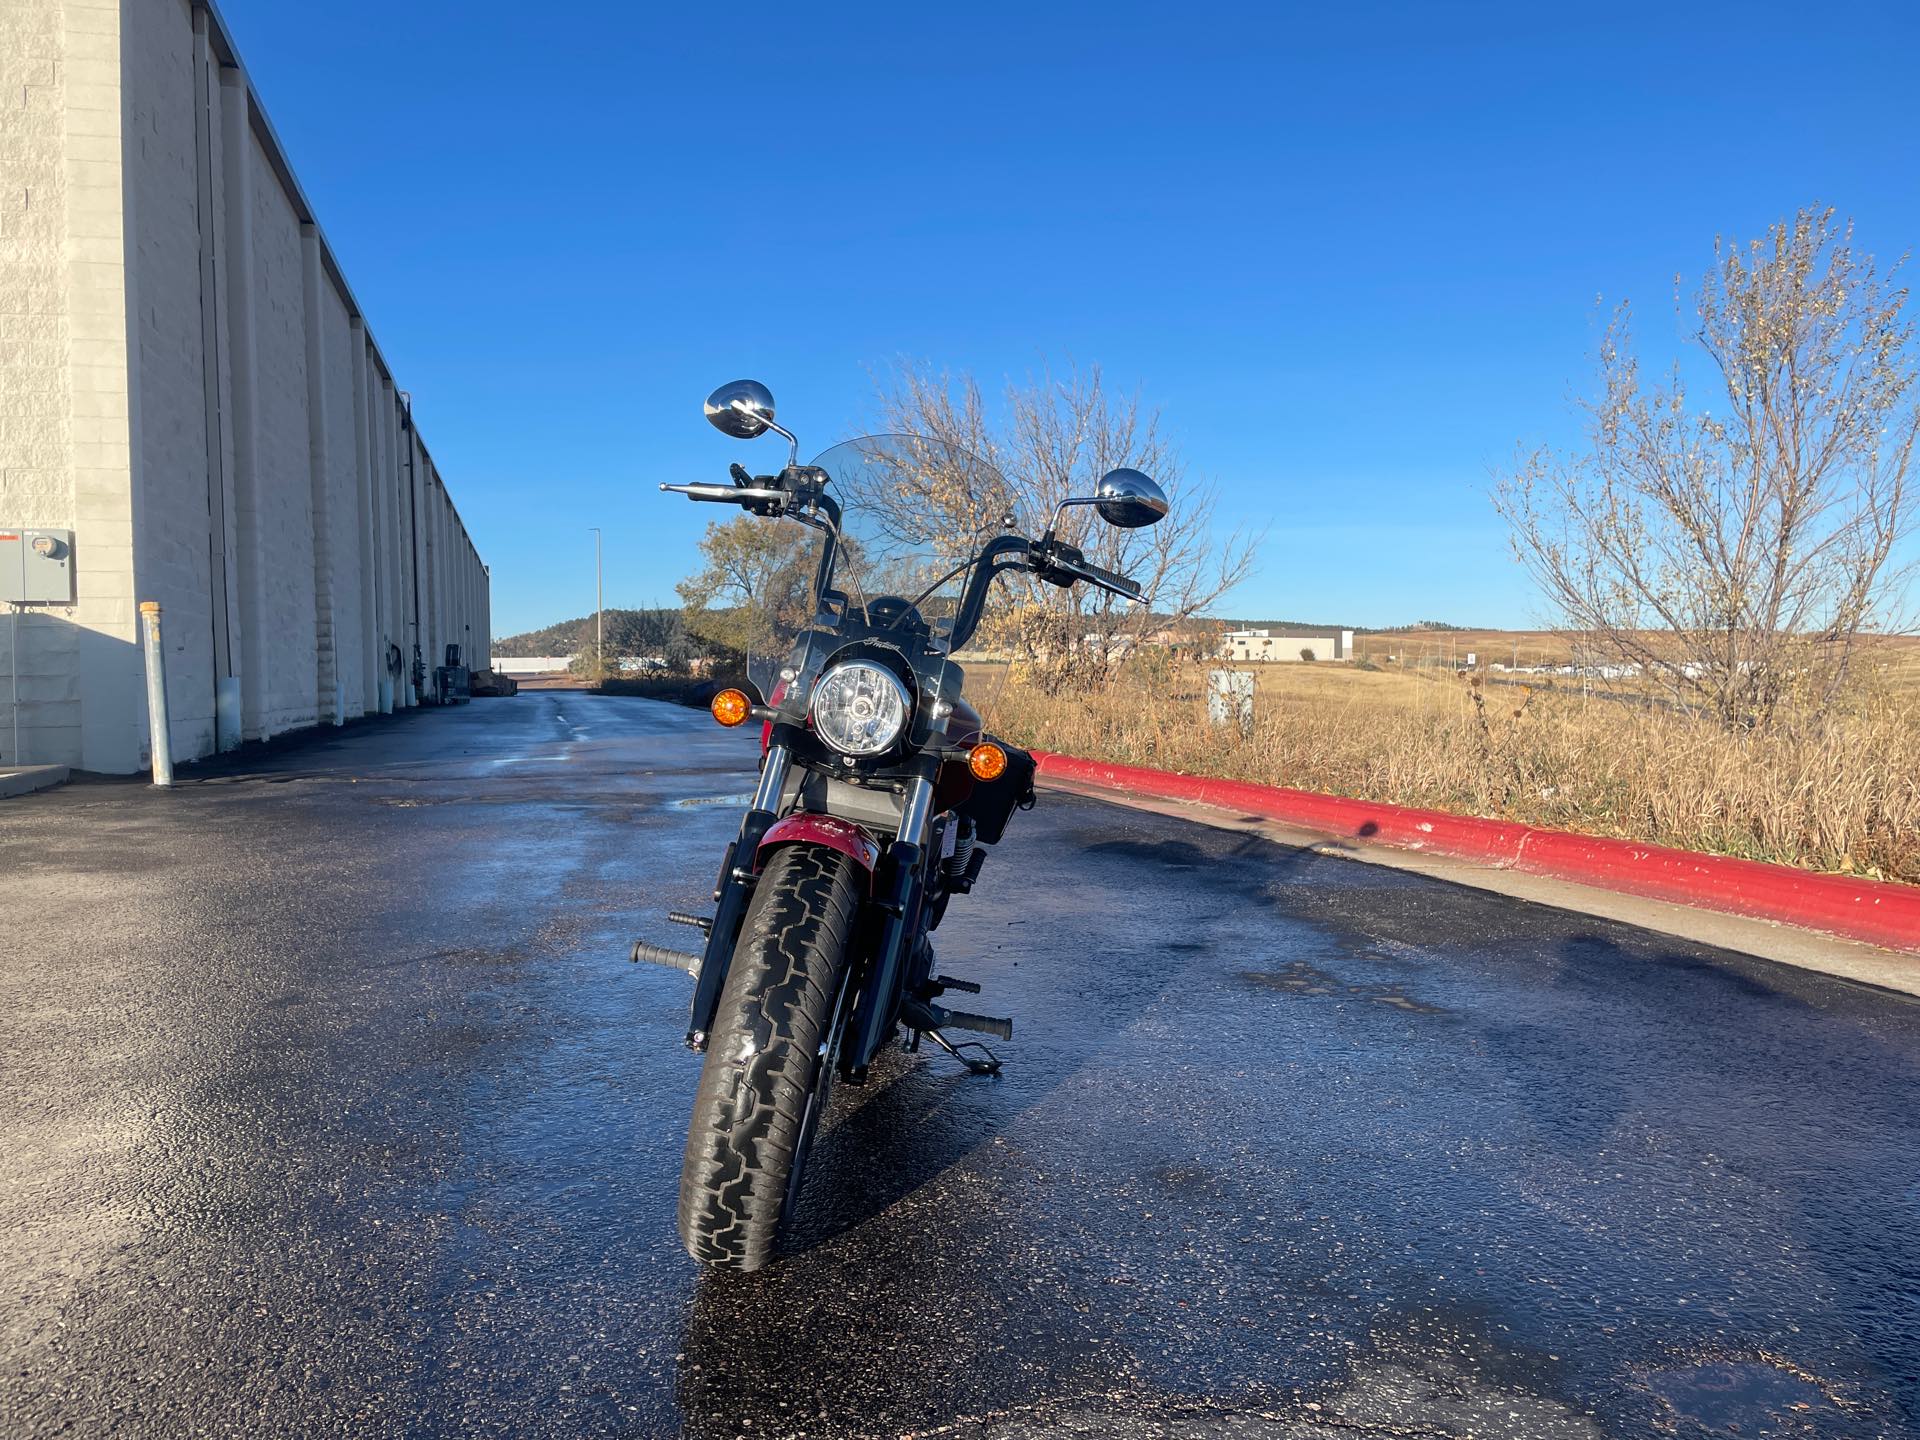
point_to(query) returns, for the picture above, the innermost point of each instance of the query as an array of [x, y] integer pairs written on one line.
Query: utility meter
[[36, 566]]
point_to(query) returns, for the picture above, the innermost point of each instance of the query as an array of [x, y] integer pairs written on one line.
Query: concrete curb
[[1874, 912], [25, 779]]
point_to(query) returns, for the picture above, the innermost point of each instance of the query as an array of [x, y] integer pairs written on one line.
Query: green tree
[[755, 583]]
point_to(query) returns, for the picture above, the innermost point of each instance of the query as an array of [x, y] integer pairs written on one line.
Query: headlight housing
[[859, 707]]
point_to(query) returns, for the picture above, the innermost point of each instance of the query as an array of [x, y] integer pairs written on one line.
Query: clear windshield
[[915, 514]]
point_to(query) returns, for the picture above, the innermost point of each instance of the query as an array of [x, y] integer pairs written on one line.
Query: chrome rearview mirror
[[1125, 498], [1129, 499], [742, 409]]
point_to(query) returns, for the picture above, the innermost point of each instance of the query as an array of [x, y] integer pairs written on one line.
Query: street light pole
[[599, 611]]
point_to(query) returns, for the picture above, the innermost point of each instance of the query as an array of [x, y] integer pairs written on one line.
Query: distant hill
[[629, 632], [1284, 626], [657, 632], [1418, 626]]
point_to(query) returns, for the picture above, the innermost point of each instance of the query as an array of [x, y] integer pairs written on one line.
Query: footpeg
[[702, 923], [947, 982], [924, 1015], [660, 955], [966, 1020]]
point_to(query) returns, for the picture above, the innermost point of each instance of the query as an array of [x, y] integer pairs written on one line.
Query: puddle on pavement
[[696, 802], [1435, 1396], [1764, 1396], [1300, 978]]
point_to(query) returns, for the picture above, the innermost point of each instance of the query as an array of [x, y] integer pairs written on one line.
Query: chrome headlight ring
[[860, 707]]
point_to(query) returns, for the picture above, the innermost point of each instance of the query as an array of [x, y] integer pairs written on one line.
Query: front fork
[[734, 889], [901, 891]]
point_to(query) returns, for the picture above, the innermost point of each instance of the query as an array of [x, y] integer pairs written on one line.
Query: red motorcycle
[[877, 796]]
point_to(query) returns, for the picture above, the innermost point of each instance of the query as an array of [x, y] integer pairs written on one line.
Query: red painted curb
[[1869, 910]]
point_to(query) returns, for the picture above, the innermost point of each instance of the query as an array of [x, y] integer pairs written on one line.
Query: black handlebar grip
[[1116, 582], [1087, 570]]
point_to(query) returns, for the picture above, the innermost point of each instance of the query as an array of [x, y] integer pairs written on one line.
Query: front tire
[[769, 1057]]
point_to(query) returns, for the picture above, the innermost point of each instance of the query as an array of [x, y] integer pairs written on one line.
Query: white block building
[[187, 384], [1295, 645], [518, 665]]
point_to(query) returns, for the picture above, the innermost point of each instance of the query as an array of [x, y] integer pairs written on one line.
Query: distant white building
[[1294, 645]]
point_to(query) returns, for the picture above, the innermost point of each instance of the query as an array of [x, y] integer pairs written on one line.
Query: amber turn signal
[[730, 707], [987, 761]]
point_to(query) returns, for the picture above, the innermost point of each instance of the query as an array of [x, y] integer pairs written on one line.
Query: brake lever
[[731, 494]]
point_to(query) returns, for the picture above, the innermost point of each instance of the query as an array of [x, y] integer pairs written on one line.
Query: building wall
[[65, 407], [1277, 647], [187, 383], [174, 559]]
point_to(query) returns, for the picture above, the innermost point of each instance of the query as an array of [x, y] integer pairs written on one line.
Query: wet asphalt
[[329, 1105]]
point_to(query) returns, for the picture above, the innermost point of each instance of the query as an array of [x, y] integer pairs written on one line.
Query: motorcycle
[[878, 795]]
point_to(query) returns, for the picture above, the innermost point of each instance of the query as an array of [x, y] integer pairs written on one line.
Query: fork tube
[[918, 811], [731, 893], [773, 776], [900, 911]]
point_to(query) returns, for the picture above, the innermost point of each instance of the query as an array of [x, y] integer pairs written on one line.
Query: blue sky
[[1353, 253]]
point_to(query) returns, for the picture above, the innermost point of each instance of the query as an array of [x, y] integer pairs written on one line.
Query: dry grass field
[[1508, 647], [1895, 655], [1837, 791]]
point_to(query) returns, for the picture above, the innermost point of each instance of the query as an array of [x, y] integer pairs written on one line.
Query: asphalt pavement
[[329, 1105]]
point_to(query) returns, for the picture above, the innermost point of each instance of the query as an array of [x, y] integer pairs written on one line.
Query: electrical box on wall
[[36, 566]]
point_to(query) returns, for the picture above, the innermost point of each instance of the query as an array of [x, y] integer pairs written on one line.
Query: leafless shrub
[[1738, 557]]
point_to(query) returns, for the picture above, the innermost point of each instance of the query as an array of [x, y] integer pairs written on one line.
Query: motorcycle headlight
[[860, 707]]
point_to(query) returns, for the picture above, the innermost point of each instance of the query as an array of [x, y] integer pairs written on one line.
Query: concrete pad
[[1783, 944], [342, 1030], [25, 779]]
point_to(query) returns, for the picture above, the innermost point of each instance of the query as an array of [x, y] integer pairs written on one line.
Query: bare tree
[[1739, 556], [1055, 437]]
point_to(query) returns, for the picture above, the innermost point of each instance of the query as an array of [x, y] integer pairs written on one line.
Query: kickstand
[[988, 1066]]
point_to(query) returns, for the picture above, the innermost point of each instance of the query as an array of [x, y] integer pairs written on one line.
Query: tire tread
[[762, 1054]]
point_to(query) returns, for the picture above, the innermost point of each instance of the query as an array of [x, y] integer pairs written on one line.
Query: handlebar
[[1055, 562]]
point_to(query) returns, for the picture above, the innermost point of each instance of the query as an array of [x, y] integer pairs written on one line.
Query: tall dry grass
[[1837, 791]]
